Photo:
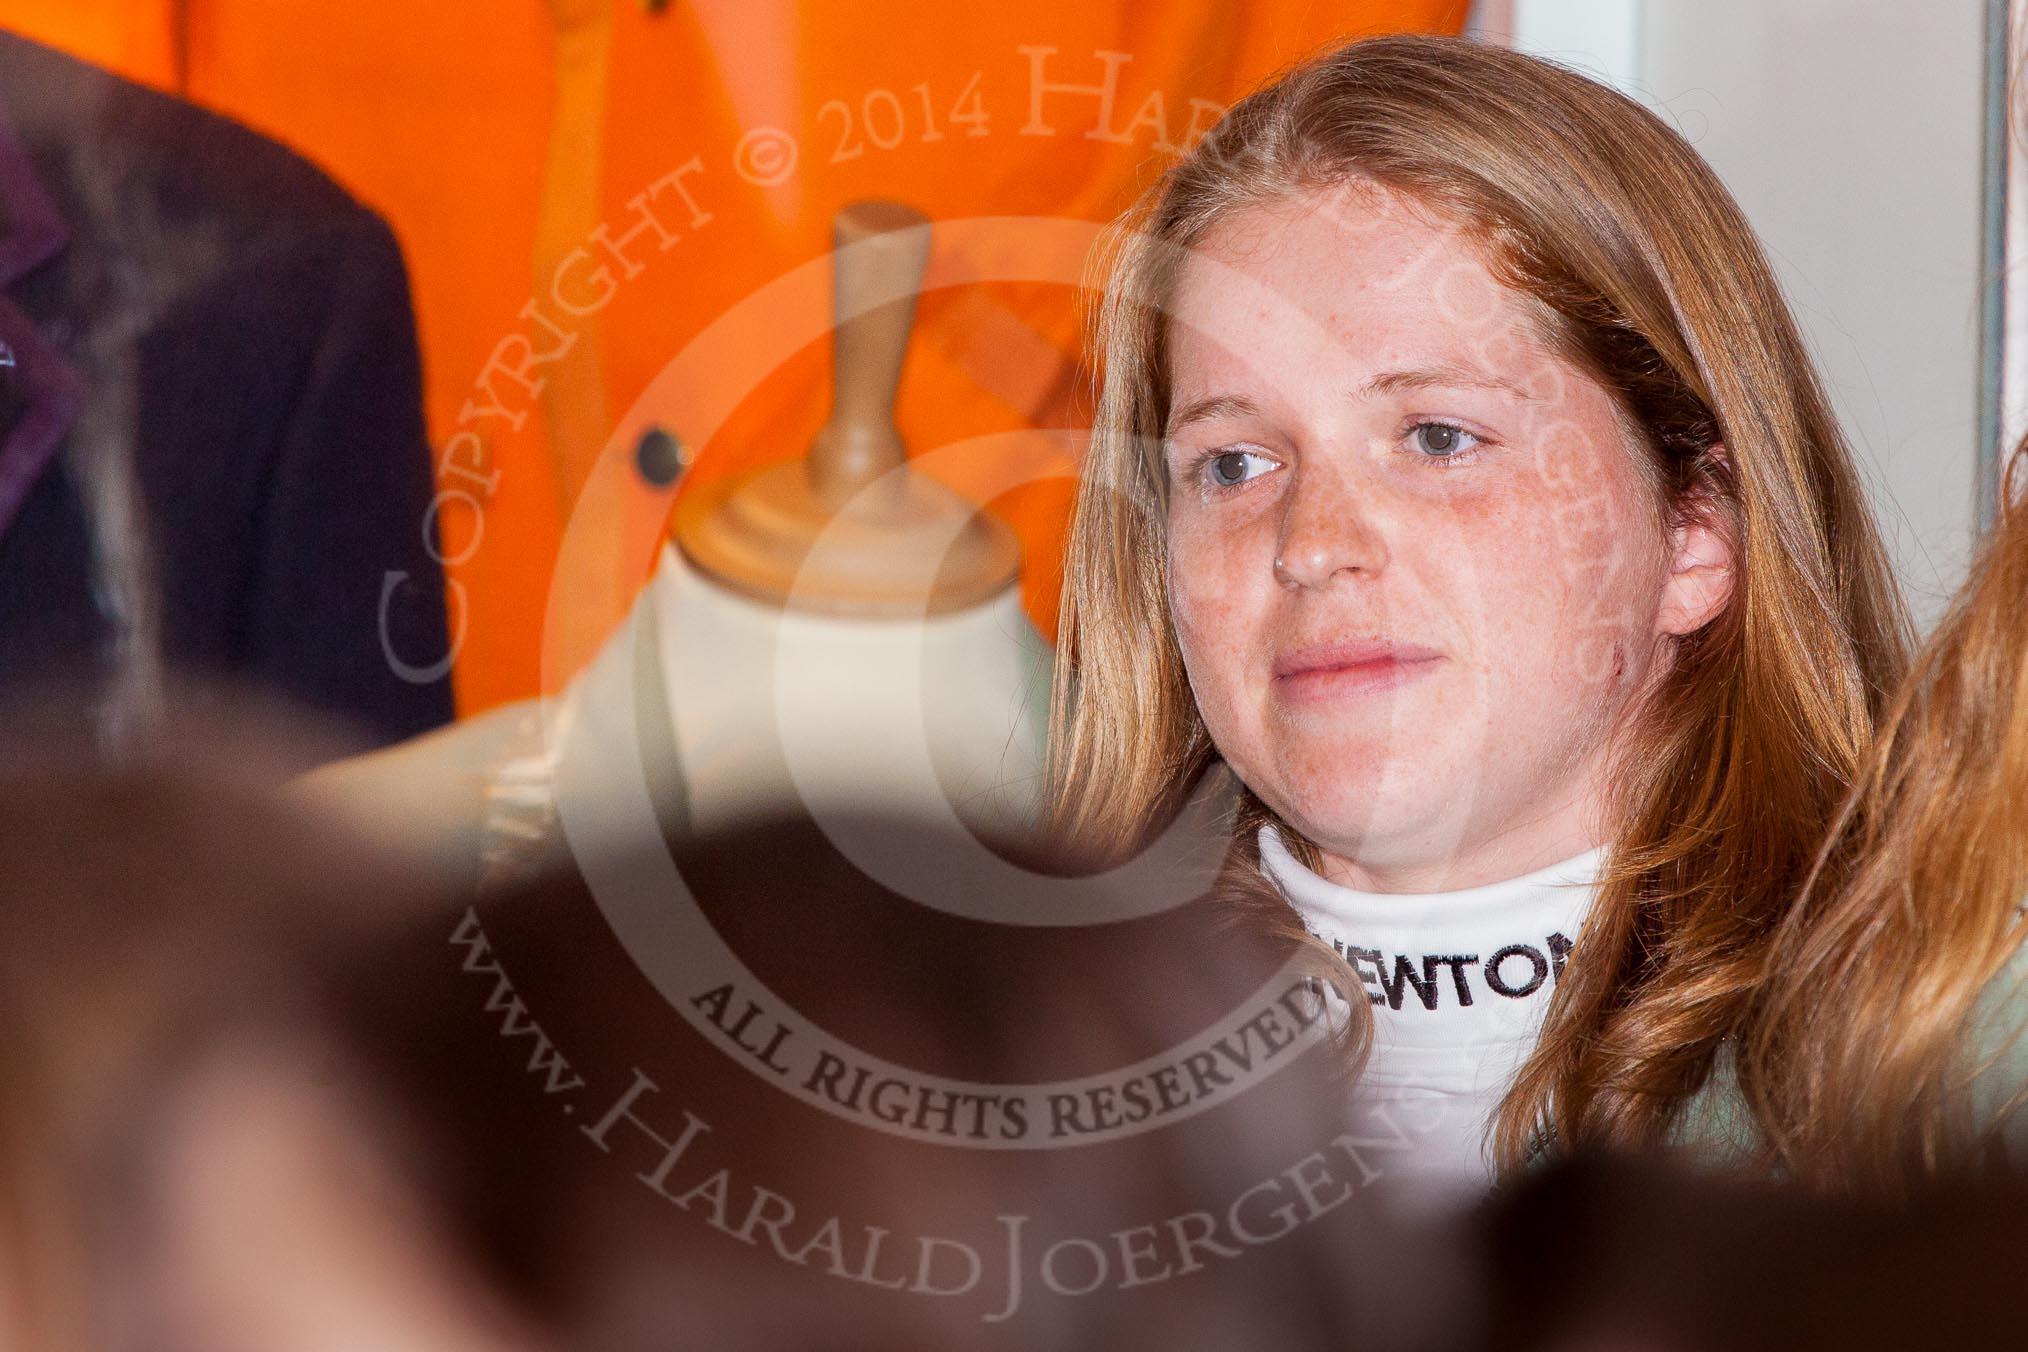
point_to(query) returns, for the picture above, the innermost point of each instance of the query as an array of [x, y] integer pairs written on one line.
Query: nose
[[1330, 528]]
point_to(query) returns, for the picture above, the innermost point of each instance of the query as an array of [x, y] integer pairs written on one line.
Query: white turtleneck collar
[[1457, 982]]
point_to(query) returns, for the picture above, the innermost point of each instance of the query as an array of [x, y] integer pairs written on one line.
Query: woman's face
[[1416, 566]]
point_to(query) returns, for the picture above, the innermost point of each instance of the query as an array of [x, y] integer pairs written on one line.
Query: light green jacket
[[1716, 1125]]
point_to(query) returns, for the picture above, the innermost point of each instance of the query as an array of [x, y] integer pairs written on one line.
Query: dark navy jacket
[[192, 311]]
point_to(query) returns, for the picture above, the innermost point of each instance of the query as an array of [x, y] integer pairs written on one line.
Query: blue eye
[[1229, 469], [1441, 441]]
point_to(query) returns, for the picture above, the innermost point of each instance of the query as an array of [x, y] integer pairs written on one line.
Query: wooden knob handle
[[881, 251], [914, 548]]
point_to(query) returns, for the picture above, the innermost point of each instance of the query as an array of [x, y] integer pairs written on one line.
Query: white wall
[[1851, 133]]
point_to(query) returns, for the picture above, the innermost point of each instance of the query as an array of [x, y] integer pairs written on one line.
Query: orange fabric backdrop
[[501, 139]]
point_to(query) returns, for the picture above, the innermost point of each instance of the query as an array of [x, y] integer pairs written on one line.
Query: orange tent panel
[[584, 186]]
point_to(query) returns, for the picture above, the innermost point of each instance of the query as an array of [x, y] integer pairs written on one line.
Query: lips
[[1349, 667]]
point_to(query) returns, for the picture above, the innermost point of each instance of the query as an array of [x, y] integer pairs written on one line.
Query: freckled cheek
[[1217, 607], [1580, 614]]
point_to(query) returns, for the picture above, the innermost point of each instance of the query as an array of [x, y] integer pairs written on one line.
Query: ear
[[1702, 552]]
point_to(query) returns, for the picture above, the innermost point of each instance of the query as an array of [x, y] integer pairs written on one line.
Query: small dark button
[[660, 457]]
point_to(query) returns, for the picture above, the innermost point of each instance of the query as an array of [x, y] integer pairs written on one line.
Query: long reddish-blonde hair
[[1645, 274], [1870, 1032]]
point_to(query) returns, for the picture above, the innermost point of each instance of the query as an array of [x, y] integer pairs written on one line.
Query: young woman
[[1460, 482], [1887, 1047]]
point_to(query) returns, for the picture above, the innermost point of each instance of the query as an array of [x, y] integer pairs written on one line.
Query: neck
[[1409, 867]]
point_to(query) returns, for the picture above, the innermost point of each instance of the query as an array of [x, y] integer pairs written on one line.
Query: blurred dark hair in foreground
[[261, 1091]]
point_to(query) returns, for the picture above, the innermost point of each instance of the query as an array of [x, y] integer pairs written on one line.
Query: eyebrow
[[1445, 377], [1204, 410], [1387, 382]]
